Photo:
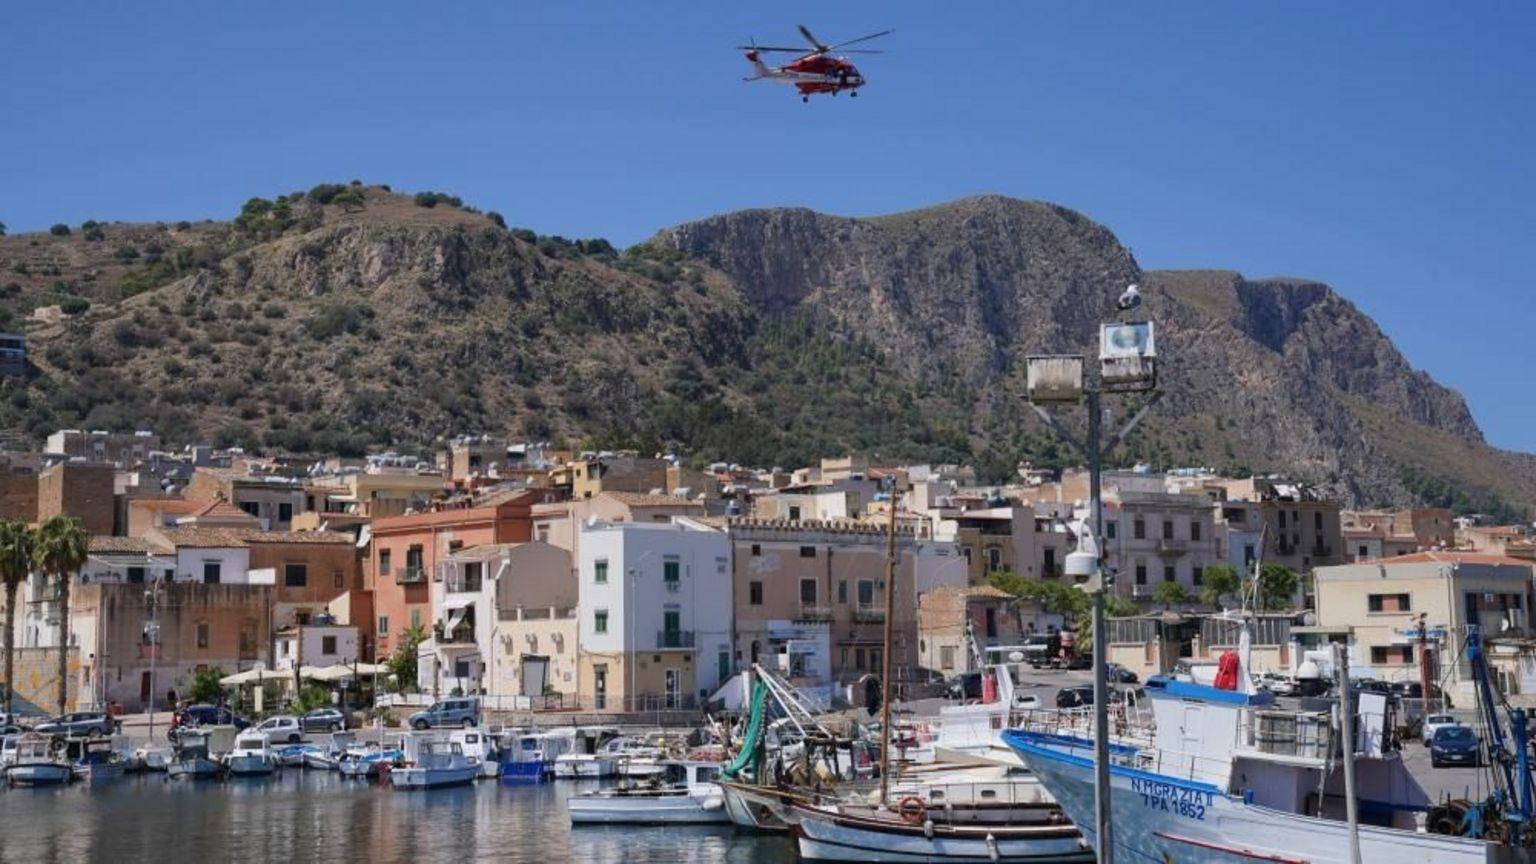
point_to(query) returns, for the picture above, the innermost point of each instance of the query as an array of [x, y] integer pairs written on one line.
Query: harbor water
[[301, 816]]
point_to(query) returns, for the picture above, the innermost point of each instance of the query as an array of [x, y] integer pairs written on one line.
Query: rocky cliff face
[[770, 336]]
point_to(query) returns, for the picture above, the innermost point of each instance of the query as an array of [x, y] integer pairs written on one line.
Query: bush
[[492, 215], [59, 230], [274, 310], [183, 225], [432, 199], [349, 200], [2, 229], [74, 305], [325, 193], [336, 318], [206, 687]]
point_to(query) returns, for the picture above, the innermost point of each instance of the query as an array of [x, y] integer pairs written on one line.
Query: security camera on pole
[[1127, 364]]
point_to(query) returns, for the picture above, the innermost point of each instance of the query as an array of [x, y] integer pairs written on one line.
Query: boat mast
[[1347, 732], [885, 655]]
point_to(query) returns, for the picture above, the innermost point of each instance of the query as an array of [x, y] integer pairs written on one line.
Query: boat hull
[[754, 810], [688, 809], [251, 766], [412, 777], [195, 769], [825, 836], [100, 771], [526, 772], [1166, 818], [39, 774], [586, 769]]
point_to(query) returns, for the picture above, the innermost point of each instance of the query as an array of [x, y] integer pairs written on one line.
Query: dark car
[[1074, 697], [1117, 674], [78, 724], [205, 715], [966, 685], [1455, 745]]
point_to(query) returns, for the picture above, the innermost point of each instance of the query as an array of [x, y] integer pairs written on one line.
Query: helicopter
[[815, 70]]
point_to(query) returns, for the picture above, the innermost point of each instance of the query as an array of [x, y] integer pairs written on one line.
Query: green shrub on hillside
[[59, 230]]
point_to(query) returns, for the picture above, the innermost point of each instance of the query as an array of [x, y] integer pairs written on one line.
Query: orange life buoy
[[911, 809]]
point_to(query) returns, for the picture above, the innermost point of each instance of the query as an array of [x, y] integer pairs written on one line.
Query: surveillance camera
[[1130, 299]]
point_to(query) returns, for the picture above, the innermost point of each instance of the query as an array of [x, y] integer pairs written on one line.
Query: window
[[807, 551], [202, 634], [472, 573], [671, 625], [327, 644], [842, 591], [135, 575], [1167, 529], [337, 579], [1388, 654], [1196, 574], [1139, 530], [757, 549], [947, 657], [1388, 603], [1168, 573], [1050, 561], [285, 512], [383, 625], [1248, 555], [383, 562], [858, 659], [211, 572], [994, 558], [295, 575], [991, 623], [600, 621], [1317, 519], [866, 593], [301, 617], [794, 513], [808, 591], [415, 618], [1364, 552], [1194, 530], [1109, 528], [543, 534], [413, 559], [755, 593], [671, 572], [1141, 574], [874, 659], [251, 508], [600, 571]]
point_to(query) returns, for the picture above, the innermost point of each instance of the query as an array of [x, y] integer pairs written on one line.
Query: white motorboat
[[586, 766], [369, 760], [483, 747], [200, 751], [292, 755], [326, 759], [531, 755], [153, 758], [36, 764], [253, 756], [434, 762], [686, 794]]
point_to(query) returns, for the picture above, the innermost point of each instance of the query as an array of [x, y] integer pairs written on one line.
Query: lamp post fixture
[[1126, 365]]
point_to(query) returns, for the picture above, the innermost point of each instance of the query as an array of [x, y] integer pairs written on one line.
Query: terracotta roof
[[220, 508], [168, 505], [103, 545], [203, 538], [640, 499], [1449, 557], [296, 537]]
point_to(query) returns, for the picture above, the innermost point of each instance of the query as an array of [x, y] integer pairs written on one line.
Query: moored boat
[[253, 756], [433, 762], [530, 756], [36, 764], [914, 833], [199, 753], [687, 794], [96, 759], [586, 766]]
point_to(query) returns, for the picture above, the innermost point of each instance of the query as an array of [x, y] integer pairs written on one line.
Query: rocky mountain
[[345, 317]]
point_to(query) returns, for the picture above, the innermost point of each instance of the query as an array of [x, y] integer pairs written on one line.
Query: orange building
[[407, 551]]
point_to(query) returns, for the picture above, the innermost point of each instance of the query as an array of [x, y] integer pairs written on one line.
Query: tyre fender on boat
[[911, 809]]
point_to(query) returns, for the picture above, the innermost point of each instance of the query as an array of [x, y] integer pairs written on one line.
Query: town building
[[956, 624], [622, 472], [13, 354], [80, 489], [1156, 537], [655, 607], [121, 449], [319, 645], [388, 485], [272, 498]]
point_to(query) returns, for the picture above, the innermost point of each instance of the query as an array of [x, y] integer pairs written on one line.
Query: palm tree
[[16, 541], [62, 547]]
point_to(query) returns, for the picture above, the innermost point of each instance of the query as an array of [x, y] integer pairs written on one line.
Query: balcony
[[410, 576], [1321, 551], [459, 584], [672, 585], [812, 612], [869, 613], [674, 639], [1170, 546]]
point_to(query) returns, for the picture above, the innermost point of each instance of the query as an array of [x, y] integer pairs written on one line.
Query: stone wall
[[37, 678]]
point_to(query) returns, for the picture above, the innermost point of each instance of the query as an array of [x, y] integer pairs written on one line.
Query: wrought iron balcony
[[410, 576], [674, 639], [813, 612], [869, 613]]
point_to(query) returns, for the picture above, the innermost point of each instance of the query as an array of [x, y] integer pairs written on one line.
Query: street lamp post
[[152, 633], [1126, 358]]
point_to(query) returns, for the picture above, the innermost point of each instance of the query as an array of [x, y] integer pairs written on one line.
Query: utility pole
[[1104, 831], [885, 656], [152, 633], [1347, 732], [1424, 676]]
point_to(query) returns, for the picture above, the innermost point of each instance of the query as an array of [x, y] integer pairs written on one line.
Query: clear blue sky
[[1384, 147]]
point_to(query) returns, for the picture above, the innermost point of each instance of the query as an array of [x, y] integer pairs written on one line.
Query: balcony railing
[[460, 585], [1170, 546], [813, 612], [672, 585], [674, 639], [410, 576], [869, 613], [1321, 551]]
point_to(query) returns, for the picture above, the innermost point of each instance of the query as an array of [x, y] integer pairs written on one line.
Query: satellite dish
[[1308, 669], [1016, 657]]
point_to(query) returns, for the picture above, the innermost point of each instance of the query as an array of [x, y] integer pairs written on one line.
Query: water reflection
[[308, 816]]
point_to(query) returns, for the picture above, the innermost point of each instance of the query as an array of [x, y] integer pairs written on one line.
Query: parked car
[[1455, 745], [1415, 690], [1074, 697], [462, 711], [966, 685], [1280, 685], [324, 720], [1042, 649], [79, 724], [1436, 722], [1118, 674], [281, 728], [205, 715]]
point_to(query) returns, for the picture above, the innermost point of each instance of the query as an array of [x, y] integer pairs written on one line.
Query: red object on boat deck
[[1226, 671], [988, 686]]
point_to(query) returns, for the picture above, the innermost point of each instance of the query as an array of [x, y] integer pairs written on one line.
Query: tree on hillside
[[349, 199], [1219, 581], [61, 550], [1277, 587], [16, 541], [1170, 594]]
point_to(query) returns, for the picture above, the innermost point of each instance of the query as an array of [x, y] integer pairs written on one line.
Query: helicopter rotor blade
[[771, 48], [863, 51], [854, 41], [815, 43]]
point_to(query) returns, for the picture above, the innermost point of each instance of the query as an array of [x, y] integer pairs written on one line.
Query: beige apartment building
[[1379, 604], [1156, 537]]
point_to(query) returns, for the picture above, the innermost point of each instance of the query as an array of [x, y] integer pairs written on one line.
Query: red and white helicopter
[[816, 70]]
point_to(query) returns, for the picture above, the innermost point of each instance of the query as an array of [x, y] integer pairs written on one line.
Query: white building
[[316, 645], [656, 609]]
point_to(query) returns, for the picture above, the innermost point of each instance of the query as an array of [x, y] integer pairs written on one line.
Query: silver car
[[463, 712], [324, 720], [80, 724]]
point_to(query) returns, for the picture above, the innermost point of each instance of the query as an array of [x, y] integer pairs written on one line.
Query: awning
[[249, 676], [455, 618], [343, 671]]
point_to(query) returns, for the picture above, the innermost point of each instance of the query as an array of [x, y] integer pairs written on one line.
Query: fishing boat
[[433, 762], [253, 756], [686, 794], [530, 756], [325, 759], [95, 759], [369, 760], [586, 766], [1231, 777], [36, 764], [199, 752], [481, 746], [292, 755], [153, 758], [917, 832]]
